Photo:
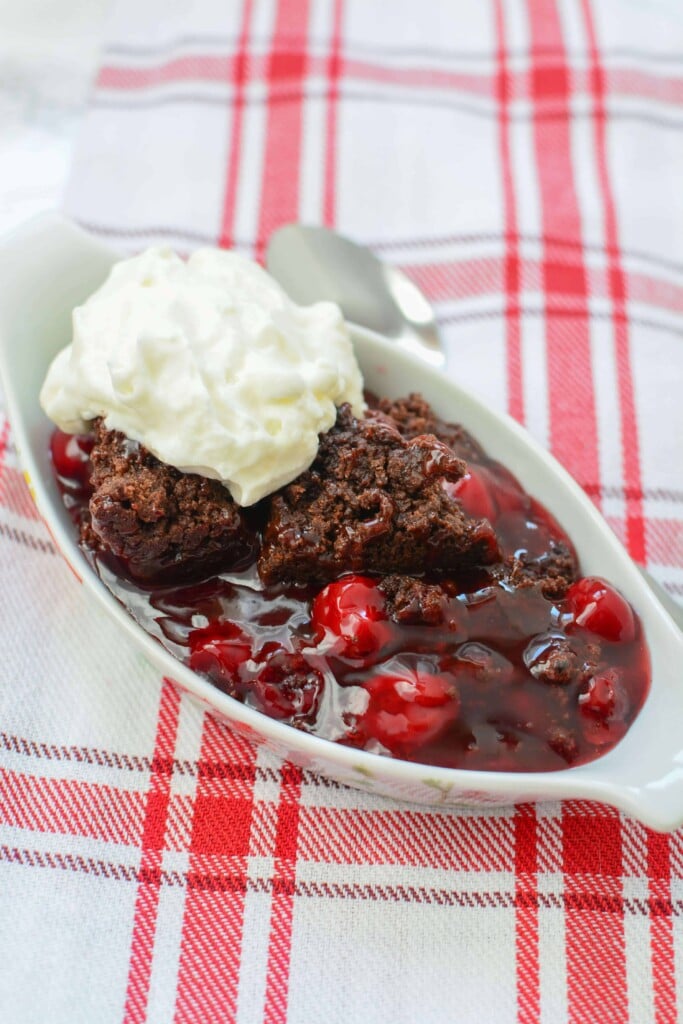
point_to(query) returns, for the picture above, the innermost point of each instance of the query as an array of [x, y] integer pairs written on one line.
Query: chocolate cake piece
[[413, 602], [556, 570], [415, 416], [162, 523], [371, 501]]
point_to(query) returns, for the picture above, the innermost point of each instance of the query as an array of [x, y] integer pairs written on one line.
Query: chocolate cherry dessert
[[400, 592], [394, 597]]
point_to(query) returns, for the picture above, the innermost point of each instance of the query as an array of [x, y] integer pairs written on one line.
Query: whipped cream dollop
[[209, 365]]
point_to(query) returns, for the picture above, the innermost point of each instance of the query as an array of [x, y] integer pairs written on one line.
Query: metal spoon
[[313, 263]]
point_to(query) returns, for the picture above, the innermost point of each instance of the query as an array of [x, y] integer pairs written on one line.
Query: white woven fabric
[[523, 162]]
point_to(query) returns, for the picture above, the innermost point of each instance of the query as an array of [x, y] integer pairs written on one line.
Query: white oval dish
[[49, 266]]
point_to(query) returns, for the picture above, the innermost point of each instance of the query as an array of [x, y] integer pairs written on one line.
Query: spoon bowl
[[313, 263], [50, 266]]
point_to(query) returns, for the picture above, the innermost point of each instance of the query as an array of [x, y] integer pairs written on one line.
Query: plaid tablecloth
[[523, 161]]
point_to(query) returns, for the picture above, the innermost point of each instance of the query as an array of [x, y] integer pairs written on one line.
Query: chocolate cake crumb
[[373, 501], [159, 521], [559, 660], [415, 416], [555, 572], [413, 601], [564, 744], [557, 664]]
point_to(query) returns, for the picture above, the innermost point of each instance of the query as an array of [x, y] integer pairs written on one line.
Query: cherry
[[599, 608], [286, 685], [600, 698], [472, 492], [352, 611], [604, 706], [218, 650], [71, 457], [408, 707]]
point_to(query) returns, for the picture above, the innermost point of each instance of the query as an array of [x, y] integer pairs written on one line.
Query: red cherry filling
[[507, 492], [286, 685], [218, 651], [600, 698], [71, 457], [352, 612], [473, 494], [471, 671], [598, 607], [407, 707], [479, 663], [604, 705]]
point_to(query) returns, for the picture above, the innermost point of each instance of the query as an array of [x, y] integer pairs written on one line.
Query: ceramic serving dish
[[49, 266]]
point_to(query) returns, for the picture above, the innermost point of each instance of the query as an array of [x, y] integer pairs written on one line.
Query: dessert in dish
[[400, 592]]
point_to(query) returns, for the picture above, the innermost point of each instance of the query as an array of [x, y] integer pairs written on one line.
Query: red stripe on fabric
[[15, 495], [676, 854], [14, 492], [459, 279], [282, 904], [4, 438], [69, 807], [333, 75], [416, 838], [644, 85], [663, 539], [565, 280], [211, 941], [221, 69], [595, 943], [280, 185], [654, 292], [662, 946], [84, 809], [511, 269], [203, 67], [595, 947], [238, 75], [567, 341], [526, 915], [195, 68], [630, 442], [154, 831], [483, 85]]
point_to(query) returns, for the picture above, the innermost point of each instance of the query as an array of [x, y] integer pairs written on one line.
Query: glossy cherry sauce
[[467, 692]]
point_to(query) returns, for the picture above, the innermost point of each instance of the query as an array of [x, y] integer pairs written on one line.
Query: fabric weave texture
[[522, 161]]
